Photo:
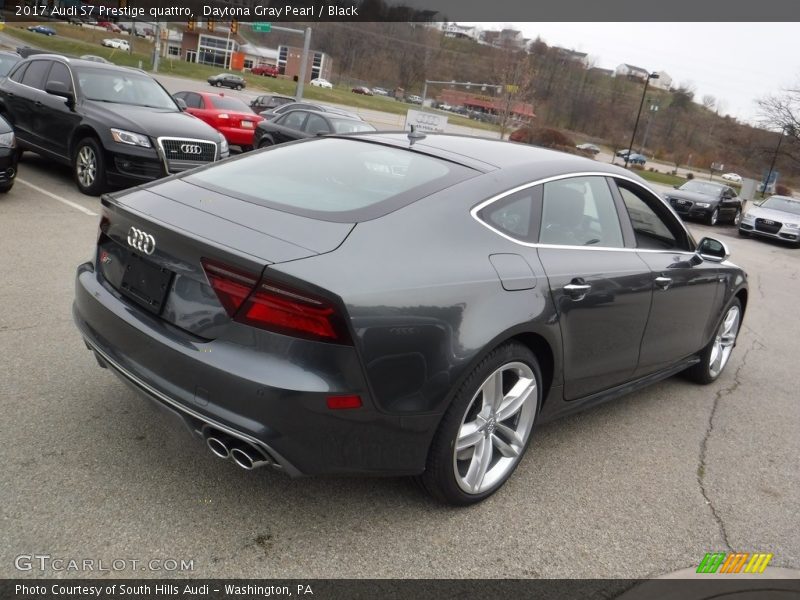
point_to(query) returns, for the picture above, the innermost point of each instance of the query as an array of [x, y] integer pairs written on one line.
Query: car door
[[289, 127], [600, 287], [686, 288], [316, 125], [729, 204], [32, 96], [16, 103], [57, 118]]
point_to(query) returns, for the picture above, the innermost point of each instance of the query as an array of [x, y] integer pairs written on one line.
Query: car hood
[[693, 196], [151, 121], [773, 215]]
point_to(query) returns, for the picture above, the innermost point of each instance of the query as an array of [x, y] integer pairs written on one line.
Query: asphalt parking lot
[[639, 487]]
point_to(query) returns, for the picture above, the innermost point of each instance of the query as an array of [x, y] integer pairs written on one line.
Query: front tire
[[88, 164], [715, 356], [737, 217], [713, 217], [485, 432]]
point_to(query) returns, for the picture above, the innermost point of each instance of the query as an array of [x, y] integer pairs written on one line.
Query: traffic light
[[234, 26], [192, 24], [210, 24]]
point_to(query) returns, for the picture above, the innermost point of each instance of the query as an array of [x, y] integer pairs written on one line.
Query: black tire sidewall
[[439, 479]]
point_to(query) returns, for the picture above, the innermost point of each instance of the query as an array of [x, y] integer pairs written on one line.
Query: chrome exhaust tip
[[249, 458], [218, 446]]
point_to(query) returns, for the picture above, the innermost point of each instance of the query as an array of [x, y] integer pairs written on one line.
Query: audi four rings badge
[[191, 149], [141, 241]]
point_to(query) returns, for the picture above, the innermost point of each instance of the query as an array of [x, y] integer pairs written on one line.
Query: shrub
[[638, 167], [782, 190], [546, 138], [690, 175]]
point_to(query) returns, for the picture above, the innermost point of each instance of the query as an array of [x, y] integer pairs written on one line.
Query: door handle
[[38, 103], [663, 282], [577, 291]]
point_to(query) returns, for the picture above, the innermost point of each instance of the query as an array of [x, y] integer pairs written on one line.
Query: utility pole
[[639, 114], [653, 110], [156, 47], [301, 76]]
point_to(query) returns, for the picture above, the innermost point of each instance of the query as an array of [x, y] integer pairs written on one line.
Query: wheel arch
[[81, 132]]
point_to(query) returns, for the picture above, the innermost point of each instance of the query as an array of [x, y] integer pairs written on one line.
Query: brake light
[[343, 402], [230, 285], [274, 307]]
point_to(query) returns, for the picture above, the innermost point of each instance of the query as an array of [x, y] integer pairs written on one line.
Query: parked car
[[323, 353], [590, 148], [732, 177], [414, 99], [269, 101], [228, 115], [113, 27], [7, 61], [379, 91], [636, 159], [113, 125], [289, 106], [42, 29], [706, 200], [266, 70], [94, 58], [364, 91], [323, 83], [777, 217], [622, 153], [229, 80], [301, 124], [8, 156], [117, 44]]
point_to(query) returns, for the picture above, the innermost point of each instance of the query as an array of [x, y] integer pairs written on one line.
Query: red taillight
[[274, 307], [343, 402], [230, 285]]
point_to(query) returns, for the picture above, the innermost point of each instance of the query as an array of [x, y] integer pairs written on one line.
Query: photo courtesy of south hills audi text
[[187, 590]]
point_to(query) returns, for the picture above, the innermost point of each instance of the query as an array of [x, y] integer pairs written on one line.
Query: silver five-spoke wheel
[[87, 166], [495, 428], [724, 341]]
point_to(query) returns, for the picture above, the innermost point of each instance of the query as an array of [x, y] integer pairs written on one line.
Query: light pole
[[653, 110], [639, 114], [785, 129]]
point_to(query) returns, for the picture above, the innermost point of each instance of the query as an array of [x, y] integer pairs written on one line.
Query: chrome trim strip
[[475, 210], [281, 462]]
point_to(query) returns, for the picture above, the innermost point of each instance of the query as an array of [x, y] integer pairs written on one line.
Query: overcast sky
[[736, 63]]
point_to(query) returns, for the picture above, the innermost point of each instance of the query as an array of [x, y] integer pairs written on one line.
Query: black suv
[[113, 125], [227, 80]]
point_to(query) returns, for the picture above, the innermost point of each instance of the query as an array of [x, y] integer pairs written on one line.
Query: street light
[[653, 110], [785, 129], [639, 114]]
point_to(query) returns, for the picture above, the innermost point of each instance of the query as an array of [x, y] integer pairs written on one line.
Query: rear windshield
[[230, 103], [332, 179]]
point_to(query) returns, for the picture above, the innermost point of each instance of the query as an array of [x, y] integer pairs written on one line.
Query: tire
[[6, 187], [218, 84], [744, 233], [265, 143], [463, 477], [88, 167], [719, 348], [737, 217], [713, 217], [238, 88]]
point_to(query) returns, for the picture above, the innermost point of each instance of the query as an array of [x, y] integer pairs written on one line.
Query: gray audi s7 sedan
[[395, 304]]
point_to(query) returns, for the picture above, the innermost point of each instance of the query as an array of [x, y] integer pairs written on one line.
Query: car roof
[[332, 115], [81, 62]]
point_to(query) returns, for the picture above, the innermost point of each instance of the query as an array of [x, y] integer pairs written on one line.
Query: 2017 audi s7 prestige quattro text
[[391, 304]]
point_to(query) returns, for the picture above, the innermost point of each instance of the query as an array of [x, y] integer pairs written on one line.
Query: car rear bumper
[[238, 136], [8, 165], [273, 400]]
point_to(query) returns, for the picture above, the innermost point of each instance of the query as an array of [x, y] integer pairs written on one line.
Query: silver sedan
[[777, 217]]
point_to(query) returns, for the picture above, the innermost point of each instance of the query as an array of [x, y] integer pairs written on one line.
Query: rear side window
[[316, 124], [34, 76], [580, 211], [653, 225], [343, 180], [19, 73], [514, 215]]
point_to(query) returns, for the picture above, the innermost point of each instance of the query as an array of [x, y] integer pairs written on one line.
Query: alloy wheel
[[724, 341], [737, 217], [714, 216], [86, 166], [495, 428]]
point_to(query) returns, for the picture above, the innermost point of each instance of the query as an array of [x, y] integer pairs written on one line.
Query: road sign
[[262, 27]]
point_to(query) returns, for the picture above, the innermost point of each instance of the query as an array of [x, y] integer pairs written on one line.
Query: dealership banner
[[268, 11], [709, 586]]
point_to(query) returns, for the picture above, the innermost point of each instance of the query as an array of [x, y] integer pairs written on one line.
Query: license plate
[[145, 283], [247, 124], [766, 222]]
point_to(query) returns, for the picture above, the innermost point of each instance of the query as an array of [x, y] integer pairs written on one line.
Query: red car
[[265, 70], [228, 115]]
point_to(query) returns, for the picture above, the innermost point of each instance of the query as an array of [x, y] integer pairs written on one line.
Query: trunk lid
[[153, 240]]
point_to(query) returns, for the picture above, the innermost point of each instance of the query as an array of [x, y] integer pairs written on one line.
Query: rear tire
[[491, 418], [265, 143], [716, 354], [88, 166]]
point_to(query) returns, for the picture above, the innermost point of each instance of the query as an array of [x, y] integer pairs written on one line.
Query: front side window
[[316, 124], [60, 73], [294, 120], [580, 211], [653, 225]]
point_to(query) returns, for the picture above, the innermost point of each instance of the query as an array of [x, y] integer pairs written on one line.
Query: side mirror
[[60, 89], [181, 103], [713, 250]]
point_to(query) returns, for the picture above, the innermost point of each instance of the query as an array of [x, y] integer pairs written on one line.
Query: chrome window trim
[[479, 207]]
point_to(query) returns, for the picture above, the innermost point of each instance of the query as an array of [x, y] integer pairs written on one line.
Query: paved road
[[638, 487]]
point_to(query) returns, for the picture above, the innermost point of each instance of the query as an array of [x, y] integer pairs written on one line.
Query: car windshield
[[783, 204], [350, 126], [702, 187], [230, 103], [342, 180], [123, 87], [6, 62]]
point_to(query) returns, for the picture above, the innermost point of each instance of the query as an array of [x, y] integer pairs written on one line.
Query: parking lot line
[[74, 205]]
